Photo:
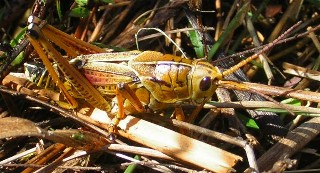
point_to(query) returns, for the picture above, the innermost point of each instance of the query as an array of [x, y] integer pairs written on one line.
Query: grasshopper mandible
[[138, 80]]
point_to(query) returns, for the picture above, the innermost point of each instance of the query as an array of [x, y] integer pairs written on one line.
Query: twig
[[301, 71], [259, 105], [161, 139], [272, 90], [293, 142]]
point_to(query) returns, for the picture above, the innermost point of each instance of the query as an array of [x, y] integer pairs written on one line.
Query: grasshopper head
[[203, 83]]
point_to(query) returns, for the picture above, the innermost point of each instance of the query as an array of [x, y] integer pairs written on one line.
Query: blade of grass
[[248, 122], [132, 168], [58, 5], [197, 43], [235, 22]]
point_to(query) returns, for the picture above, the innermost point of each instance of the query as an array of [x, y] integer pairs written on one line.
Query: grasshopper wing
[[106, 76]]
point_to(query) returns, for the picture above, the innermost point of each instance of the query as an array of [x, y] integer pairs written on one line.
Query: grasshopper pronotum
[[138, 80]]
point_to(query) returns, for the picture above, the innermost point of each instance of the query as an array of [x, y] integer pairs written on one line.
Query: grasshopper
[[140, 81]]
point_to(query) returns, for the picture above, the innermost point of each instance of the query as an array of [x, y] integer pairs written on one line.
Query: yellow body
[[158, 80], [150, 79], [136, 79]]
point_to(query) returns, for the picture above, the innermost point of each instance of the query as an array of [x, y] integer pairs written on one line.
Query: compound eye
[[205, 83]]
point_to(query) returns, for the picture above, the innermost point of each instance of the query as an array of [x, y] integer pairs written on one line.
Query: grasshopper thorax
[[203, 81]]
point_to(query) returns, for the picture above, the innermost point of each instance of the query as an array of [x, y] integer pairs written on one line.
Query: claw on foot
[[113, 125], [112, 137]]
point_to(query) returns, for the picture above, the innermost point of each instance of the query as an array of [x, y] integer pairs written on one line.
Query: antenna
[[254, 56]]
